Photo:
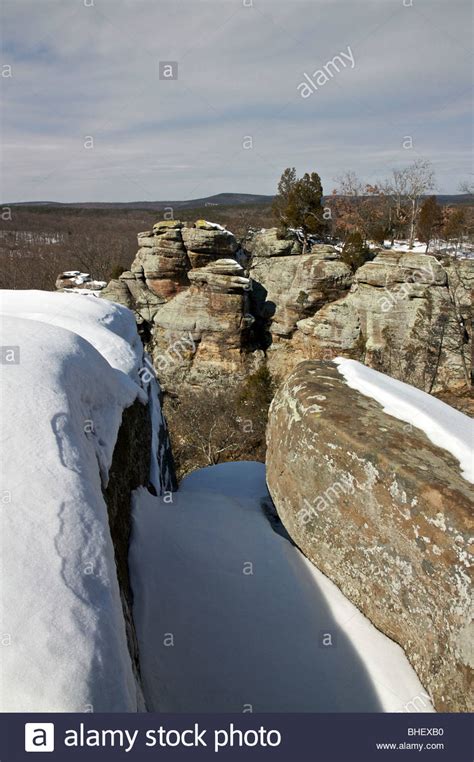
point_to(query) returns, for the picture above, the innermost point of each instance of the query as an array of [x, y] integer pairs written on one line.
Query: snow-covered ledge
[[71, 365]]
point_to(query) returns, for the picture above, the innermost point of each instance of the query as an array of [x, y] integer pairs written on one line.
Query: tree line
[[356, 212]]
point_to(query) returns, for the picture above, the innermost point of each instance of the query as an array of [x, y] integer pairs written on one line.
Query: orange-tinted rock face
[[382, 512], [165, 287]]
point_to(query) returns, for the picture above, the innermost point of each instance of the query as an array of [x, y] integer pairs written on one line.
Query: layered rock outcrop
[[165, 255], [289, 285], [384, 513], [406, 315], [189, 291], [202, 333]]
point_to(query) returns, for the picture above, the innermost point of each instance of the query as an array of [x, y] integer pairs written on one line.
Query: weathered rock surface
[[132, 291], [290, 285], [187, 287], [130, 469], [160, 269], [162, 261], [267, 243], [406, 315], [201, 333], [205, 243], [384, 513]]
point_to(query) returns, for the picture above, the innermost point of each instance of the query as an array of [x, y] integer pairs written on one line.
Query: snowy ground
[[463, 251], [74, 369], [442, 424], [232, 617]]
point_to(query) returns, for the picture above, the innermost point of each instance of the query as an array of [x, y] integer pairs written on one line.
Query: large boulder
[[206, 242], [384, 513], [268, 243]]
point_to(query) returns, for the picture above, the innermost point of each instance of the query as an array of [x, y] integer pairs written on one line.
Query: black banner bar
[[235, 737]]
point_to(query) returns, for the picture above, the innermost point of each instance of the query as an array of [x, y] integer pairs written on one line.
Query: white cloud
[[81, 71]]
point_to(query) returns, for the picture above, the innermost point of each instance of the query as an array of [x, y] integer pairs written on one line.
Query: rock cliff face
[[204, 316], [289, 285], [202, 333], [130, 469], [188, 290], [382, 512], [406, 315]]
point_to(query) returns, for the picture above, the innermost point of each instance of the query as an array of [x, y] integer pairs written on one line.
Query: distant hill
[[459, 198], [220, 199]]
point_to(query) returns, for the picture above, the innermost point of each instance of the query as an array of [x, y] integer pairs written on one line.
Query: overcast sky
[[86, 73]]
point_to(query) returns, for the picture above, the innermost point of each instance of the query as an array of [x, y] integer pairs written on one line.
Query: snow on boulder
[[379, 499], [442, 424], [82, 283], [70, 371]]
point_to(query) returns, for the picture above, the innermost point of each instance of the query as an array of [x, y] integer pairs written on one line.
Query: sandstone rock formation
[[187, 287], [201, 334], [384, 513], [158, 272], [288, 285], [405, 314], [206, 242]]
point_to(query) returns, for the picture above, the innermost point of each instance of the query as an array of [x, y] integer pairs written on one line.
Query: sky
[[88, 116]]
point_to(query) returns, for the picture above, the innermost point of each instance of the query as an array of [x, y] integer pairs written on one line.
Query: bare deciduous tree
[[408, 186]]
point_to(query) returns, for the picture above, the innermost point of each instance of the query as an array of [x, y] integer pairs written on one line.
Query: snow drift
[[76, 369], [231, 617]]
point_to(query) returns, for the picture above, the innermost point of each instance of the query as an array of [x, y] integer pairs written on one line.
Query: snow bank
[[61, 620], [110, 328], [418, 247], [463, 250], [231, 617], [443, 425]]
